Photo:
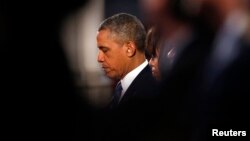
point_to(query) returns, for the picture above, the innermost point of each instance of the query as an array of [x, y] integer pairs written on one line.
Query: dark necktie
[[116, 95]]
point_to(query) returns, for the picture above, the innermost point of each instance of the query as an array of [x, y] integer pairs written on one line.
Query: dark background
[[40, 100], [38, 94]]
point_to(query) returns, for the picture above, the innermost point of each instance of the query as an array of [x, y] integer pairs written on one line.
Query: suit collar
[[132, 89], [130, 77]]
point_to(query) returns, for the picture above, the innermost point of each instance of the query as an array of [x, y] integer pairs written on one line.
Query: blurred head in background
[[154, 10], [174, 23], [214, 12], [121, 43], [162, 12]]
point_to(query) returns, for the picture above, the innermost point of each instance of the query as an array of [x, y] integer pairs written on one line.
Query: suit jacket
[[143, 88], [131, 120]]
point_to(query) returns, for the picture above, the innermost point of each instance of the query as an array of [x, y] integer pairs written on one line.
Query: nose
[[100, 57]]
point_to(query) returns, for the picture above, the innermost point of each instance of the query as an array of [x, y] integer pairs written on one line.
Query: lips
[[105, 68]]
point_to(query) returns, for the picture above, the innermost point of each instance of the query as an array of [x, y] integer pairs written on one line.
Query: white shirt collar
[[129, 78]]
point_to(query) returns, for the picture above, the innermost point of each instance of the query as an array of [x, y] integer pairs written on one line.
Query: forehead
[[105, 36]]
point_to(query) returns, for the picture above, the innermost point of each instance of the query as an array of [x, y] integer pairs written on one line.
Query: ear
[[131, 49]]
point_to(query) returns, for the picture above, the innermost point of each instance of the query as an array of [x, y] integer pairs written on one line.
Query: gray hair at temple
[[125, 27]]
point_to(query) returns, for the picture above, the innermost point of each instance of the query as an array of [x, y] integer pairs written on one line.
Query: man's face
[[112, 55]]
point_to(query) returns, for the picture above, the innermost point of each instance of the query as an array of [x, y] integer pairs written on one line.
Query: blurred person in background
[[182, 55], [225, 75], [206, 73], [178, 30]]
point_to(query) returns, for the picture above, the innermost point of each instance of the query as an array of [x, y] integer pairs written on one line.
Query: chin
[[111, 76]]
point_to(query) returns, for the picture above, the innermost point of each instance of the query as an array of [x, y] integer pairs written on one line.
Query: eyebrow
[[102, 47]]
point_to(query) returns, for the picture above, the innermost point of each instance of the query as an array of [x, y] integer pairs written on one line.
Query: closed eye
[[104, 49]]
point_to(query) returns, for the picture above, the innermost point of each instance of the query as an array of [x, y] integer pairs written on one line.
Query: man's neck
[[134, 63]]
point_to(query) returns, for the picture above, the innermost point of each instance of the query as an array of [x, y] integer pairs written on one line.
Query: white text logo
[[216, 132]]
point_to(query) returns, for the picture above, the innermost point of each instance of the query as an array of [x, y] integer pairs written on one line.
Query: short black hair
[[126, 27]]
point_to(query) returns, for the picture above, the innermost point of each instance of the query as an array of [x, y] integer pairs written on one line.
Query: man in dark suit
[[121, 40]]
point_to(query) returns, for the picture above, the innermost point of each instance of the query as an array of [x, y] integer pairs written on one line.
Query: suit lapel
[[133, 88]]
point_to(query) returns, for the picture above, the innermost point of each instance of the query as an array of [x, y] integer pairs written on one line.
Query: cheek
[[115, 65], [115, 61], [115, 69], [109, 61], [156, 63]]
